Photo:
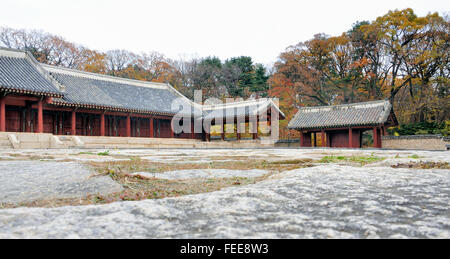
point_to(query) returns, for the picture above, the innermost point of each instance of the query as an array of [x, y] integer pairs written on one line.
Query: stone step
[[4, 142], [129, 146], [132, 141], [33, 141]]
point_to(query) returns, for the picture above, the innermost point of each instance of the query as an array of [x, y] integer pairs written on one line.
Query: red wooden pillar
[[2, 113], [323, 138], [128, 126], [102, 124], [73, 129], [193, 129], [255, 129], [328, 138], [238, 135], [375, 137], [223, 131], [61, 126], [350, 138], [302, 140], [152, 123], [40, 117], [208, 134], [380, 130], [28, 119], [315, 139], [171, 129]]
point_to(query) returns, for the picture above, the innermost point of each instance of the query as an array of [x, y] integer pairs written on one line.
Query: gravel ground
[[328, 201], [22, 181], [210, 155], [202, 173]]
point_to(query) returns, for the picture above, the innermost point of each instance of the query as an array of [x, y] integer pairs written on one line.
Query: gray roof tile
[[19, 72], [246, 108], [355, 114], [83, 88]]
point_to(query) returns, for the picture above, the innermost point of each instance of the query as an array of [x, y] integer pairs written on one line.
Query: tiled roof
[[20, 73], [100, 91], [355, 114], [245, 108]]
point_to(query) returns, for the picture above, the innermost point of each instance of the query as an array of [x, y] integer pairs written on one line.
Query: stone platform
[[13, 140]]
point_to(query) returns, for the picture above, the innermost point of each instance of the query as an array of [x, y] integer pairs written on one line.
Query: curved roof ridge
[[235, 104], [360, 105], [353, 114], [13, 53], [96, 76], [27, 57]]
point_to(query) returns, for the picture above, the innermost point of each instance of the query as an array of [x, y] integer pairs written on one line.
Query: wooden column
[[2, 113], [323, 138], [255, 129], [315, 139], [28, 118], [238, 135], [302, 139], [193, 129], [102, 124], [350, 138], [375, 137], [128, 126], [380, 130], [40, 118], [152, 123], [223, 130], [171, 130], [61, 124], [328, 138], [208, 134], [73, 125]]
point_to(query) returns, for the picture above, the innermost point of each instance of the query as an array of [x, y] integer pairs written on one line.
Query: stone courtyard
[[252, 193]]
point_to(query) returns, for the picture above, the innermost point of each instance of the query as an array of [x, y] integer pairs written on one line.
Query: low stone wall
[[288, 143], [46, 141], [422, 142]]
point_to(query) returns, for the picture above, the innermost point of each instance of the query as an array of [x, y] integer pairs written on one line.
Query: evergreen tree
[[246, 78], [260, 85]]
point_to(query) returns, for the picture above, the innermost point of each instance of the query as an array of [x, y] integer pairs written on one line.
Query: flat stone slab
[[24, 181], [202, 173], [328, 201]]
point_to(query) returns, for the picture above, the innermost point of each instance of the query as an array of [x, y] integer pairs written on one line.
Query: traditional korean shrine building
[[343, 125], [46, 99]]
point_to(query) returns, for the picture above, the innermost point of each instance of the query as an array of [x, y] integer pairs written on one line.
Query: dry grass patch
[[138, 188], [362, 160], [32, 157], [424, 165], [292, 162]]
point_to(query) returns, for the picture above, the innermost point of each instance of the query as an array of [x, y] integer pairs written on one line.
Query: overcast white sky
[[257, 28]]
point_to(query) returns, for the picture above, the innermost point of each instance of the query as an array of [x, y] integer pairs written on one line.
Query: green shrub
[[106, 153], [421, 128]]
